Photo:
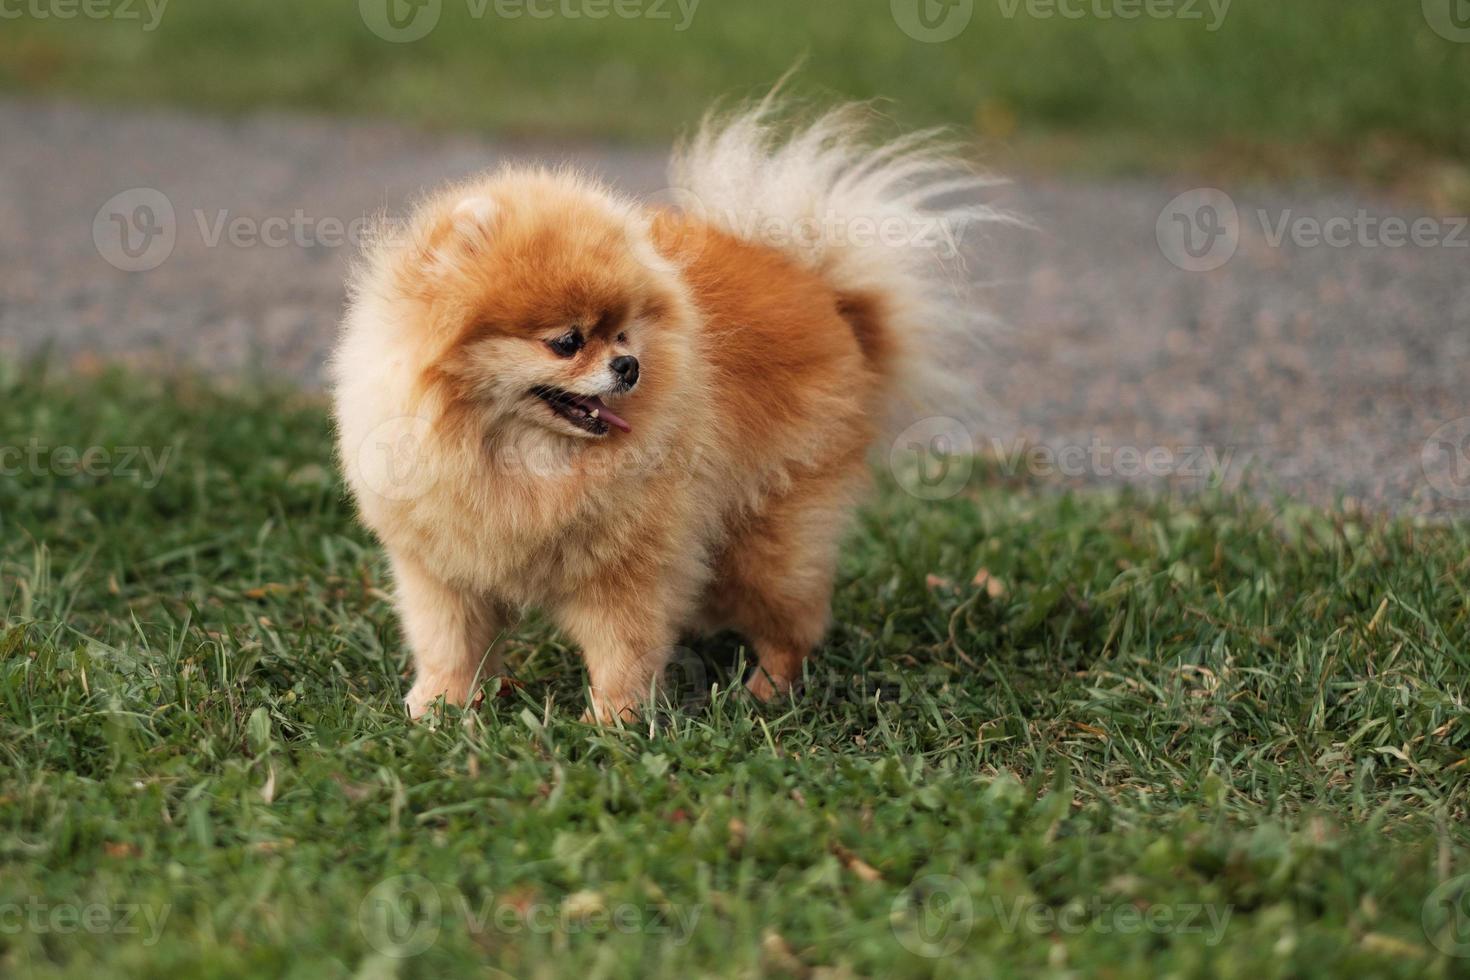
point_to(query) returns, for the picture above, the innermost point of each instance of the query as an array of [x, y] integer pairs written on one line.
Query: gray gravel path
[[1319, 370]]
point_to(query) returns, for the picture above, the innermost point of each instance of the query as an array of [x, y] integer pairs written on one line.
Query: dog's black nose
[[626, 368]]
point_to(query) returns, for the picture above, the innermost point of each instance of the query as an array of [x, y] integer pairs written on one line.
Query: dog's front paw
[[421, 697], [609, 712], [763, 687]]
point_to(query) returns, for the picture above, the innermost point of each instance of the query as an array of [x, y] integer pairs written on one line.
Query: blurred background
[[141, 135], [1360, 89]]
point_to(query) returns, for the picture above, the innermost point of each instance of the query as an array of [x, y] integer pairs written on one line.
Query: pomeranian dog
[[648, 420]]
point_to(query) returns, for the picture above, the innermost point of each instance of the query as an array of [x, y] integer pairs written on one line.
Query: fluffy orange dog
[[641, 420]]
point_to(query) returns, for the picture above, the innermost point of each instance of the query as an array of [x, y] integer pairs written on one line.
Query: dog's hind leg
[[774, 581]]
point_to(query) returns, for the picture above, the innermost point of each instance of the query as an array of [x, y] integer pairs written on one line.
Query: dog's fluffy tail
[[883, 223]]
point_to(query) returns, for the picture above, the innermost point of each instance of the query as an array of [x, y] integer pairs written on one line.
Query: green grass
[[1357, 85], [1192, 709]]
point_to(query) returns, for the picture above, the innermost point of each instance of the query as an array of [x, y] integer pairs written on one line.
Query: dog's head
[[540, 307]]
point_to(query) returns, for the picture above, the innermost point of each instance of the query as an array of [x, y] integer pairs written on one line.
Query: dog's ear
[[476, 214], [463, 234]]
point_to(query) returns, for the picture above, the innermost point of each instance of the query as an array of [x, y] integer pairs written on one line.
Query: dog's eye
[[566, 345], [622, 338]]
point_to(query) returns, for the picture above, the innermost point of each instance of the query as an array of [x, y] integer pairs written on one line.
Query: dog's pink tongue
[[594, 404]]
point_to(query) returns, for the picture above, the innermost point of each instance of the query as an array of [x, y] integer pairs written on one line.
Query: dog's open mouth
[[586, 412]]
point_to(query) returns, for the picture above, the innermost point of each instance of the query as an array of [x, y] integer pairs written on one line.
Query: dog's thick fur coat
[[802, 294]]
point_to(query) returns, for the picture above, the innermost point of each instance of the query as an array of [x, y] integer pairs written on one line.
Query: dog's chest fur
[[530, 541]]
